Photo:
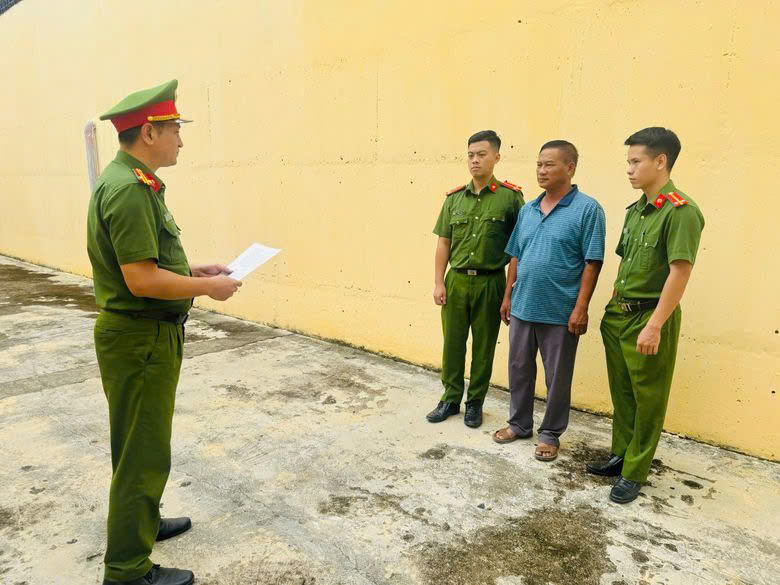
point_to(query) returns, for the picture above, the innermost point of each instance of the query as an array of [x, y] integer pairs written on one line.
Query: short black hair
[[129, 136], [570, 153], [657, 140], [488, 136]]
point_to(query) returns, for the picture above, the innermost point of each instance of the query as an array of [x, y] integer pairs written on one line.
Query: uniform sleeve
[[443, 227], [513, 245], [619, 249], [683, 233], [519, 200], [517, 204], [593, 233], [130, 216]]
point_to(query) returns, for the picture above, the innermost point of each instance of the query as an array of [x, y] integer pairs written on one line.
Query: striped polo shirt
[[551, 252]]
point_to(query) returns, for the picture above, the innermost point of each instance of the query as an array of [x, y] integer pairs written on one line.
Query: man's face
[[482, 159], [552, 170], [167, 143], [644, 170]]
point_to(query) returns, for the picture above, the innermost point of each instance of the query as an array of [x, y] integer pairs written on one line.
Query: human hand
[[440, 294], [649, 339], [578, 321], [506, 308], [203, 270], [223, 287]]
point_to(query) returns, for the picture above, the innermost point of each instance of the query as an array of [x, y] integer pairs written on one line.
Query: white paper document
[[250, 259]]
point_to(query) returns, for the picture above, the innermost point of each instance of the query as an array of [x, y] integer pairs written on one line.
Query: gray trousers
[[558, 348]]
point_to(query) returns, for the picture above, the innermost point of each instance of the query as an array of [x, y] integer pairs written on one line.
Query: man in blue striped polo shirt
[[557, 249]]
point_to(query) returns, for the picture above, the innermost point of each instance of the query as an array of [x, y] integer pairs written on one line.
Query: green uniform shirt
[[479, 224], [127, 222], [652, 238]]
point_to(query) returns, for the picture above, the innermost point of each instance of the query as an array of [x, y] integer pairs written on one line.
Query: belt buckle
[[471, 272]]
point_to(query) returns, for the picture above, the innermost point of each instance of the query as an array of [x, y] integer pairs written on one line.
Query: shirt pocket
[[648, 251], [171, 251], [459, 228], [495, 238], [494, 225]]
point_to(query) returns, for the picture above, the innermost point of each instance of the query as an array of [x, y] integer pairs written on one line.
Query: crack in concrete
[[207, 347], [81, 374], [49, 381]]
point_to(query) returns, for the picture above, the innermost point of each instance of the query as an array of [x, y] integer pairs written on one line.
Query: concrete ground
[[303, 462]]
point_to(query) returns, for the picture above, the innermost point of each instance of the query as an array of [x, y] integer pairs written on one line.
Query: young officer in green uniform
[[641, 324], [474, 226], [144, 287]]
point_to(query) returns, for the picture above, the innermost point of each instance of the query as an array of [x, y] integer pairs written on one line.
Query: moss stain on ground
[[6, 518], [23, 287], [262, 571], [370, 502], [14, 521], [570, 471], [548, 546], [238, 391], [358, 386], [337, 505]]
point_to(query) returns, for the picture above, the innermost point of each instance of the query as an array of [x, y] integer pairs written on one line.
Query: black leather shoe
[[170, 527], [473, 416], [611, 467], [625, 490], [442, 411], [158, 575]]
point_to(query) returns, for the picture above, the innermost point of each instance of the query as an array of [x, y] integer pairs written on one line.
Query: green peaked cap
[[145, 105]]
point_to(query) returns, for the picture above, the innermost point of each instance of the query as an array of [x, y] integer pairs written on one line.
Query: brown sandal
[[507, 435], [545, 452]]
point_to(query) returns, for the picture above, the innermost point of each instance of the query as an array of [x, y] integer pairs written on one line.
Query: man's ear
[[148, 133], [660, 161], [498, 156]]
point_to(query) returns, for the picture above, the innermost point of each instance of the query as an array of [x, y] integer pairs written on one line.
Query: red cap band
[[165, 110]]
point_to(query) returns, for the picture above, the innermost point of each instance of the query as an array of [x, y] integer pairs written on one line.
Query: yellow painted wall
[[332, 129]]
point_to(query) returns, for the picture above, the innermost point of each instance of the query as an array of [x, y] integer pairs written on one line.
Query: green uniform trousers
[[139, 363], [473, 302], [639, 385]]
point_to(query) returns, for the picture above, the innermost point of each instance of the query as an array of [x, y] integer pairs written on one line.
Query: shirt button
[[641, 217], [475, 217], [621, 282], [473, 235], [472, 253], [629, 258]]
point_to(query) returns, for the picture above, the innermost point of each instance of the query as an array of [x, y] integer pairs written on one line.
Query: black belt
[[636, 306], [168, 317], [476, 272]]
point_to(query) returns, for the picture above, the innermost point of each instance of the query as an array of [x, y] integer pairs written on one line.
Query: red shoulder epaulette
[[512, 186], [146, 179], [455, 190], [676, 199], [673, 197]]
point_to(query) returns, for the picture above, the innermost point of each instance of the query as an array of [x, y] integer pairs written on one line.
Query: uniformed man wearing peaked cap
[[144, 286], [641, 324], [474, 226]]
